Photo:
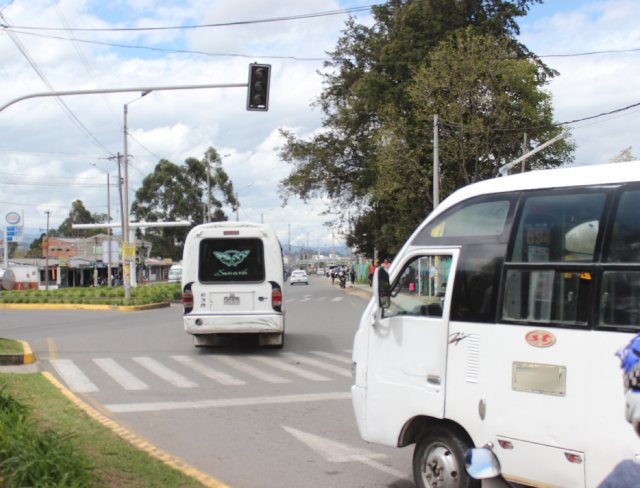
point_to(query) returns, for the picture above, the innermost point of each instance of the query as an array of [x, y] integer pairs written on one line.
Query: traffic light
[[258, 89]]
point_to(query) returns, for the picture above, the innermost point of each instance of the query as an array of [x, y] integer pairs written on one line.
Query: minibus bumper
[[233, 324]]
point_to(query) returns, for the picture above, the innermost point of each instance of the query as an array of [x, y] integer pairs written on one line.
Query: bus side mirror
[[383, 288]]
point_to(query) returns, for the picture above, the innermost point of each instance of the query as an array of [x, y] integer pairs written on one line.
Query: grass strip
[[47, 441], [9, 346], [140, 295]]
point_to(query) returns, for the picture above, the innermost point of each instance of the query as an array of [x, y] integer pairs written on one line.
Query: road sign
[[13, 233], [13, 218]]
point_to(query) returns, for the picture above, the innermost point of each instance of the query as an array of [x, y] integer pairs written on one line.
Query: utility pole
[[524, 150], [436, 164], [122, 219], [126, 271], [108, 231], [46, 255]]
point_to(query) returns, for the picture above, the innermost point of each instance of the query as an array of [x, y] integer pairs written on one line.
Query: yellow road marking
[[135, 440], [53, 350]]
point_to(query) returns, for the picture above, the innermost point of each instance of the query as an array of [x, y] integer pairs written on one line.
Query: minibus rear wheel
[[438, 460]]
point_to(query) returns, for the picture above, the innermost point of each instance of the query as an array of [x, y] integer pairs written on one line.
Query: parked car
[[299, 276]]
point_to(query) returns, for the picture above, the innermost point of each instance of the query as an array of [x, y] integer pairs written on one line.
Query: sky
[[52, 155]]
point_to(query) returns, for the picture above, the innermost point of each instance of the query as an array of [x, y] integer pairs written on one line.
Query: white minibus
[[499, 321], [232, 280]]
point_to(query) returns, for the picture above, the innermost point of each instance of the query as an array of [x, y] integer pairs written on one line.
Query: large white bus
[[499, 321], [232, 280]]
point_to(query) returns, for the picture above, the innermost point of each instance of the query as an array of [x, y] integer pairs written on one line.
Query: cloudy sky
[[52, 154]]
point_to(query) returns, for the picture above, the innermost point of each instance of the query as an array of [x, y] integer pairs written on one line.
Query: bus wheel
[[438, 460]]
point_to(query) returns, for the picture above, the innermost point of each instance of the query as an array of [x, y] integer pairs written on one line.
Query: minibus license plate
[[231, 300]]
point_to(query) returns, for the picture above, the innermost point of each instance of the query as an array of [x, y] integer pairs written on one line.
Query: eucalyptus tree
[[373, 157], [182, 193]]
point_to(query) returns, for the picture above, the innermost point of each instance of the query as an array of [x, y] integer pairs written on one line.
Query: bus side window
[[549, 274], [625, 239], [418, 290], [620, 284]]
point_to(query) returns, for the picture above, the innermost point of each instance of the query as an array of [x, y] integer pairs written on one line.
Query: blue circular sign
[[13, 218]]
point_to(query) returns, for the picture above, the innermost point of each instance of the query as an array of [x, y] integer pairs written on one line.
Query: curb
[[81, 306], [26, 357], [135, 440]]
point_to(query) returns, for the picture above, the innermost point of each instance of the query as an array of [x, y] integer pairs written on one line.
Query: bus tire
[[438, 460]]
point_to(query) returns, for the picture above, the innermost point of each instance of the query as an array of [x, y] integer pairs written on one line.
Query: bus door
[[408, 344]]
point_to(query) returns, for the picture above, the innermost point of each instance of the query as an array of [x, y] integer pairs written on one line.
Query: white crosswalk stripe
[[319, 364], [250, 370], [333, 357], [215, 375], [279, 364], [124, 378], [226, 370], [157, 368], [73, 376]]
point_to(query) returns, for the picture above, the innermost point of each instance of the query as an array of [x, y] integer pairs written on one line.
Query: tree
[[35, 248], [373, 158], [179, 192], [79, 215]]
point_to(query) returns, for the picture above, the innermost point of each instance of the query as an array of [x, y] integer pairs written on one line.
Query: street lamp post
[[126, 260], [238, 201]]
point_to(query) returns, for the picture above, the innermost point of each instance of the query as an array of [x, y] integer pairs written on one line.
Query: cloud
[[593, 84]]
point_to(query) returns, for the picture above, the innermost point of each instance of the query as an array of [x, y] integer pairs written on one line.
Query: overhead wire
[[204, 26], [44, 79]]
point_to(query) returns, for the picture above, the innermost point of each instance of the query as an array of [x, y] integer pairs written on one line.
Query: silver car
[[299, 276]]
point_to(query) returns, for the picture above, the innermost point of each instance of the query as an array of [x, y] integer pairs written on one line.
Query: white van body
[[232, 280], [175, 274], [499, 322]]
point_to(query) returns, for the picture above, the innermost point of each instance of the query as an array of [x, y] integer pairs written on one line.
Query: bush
[[32, 458]]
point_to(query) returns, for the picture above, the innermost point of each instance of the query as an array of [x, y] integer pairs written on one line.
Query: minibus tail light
[[187, 298], [276, 297]]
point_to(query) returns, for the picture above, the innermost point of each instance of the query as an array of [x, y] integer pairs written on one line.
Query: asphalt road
[[247, 416]]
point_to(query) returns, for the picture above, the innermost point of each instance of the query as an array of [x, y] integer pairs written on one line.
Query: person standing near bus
[[627, 473]]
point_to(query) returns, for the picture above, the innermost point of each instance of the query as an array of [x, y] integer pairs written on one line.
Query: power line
[[168, 50], [273, 56], [557, 124], [203, 26], [44, 79]]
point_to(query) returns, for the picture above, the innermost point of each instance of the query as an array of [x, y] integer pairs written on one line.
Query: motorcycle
[[342, 278], [482, 464]]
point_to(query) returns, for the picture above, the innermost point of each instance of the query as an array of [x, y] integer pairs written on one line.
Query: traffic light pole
[[258, 92], [121, 90], [144, 89]]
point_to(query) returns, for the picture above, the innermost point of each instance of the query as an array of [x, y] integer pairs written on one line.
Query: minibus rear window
[[231, 260]]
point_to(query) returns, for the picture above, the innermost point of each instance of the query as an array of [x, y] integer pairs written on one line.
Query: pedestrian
[[352, 275], [627, 473], [372, 270], [385, 264]]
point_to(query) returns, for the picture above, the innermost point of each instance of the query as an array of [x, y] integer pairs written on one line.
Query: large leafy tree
[[373, 158], [180, 192], [79, 215]]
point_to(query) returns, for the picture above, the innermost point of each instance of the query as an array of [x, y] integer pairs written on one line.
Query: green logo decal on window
[[231, 258]]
